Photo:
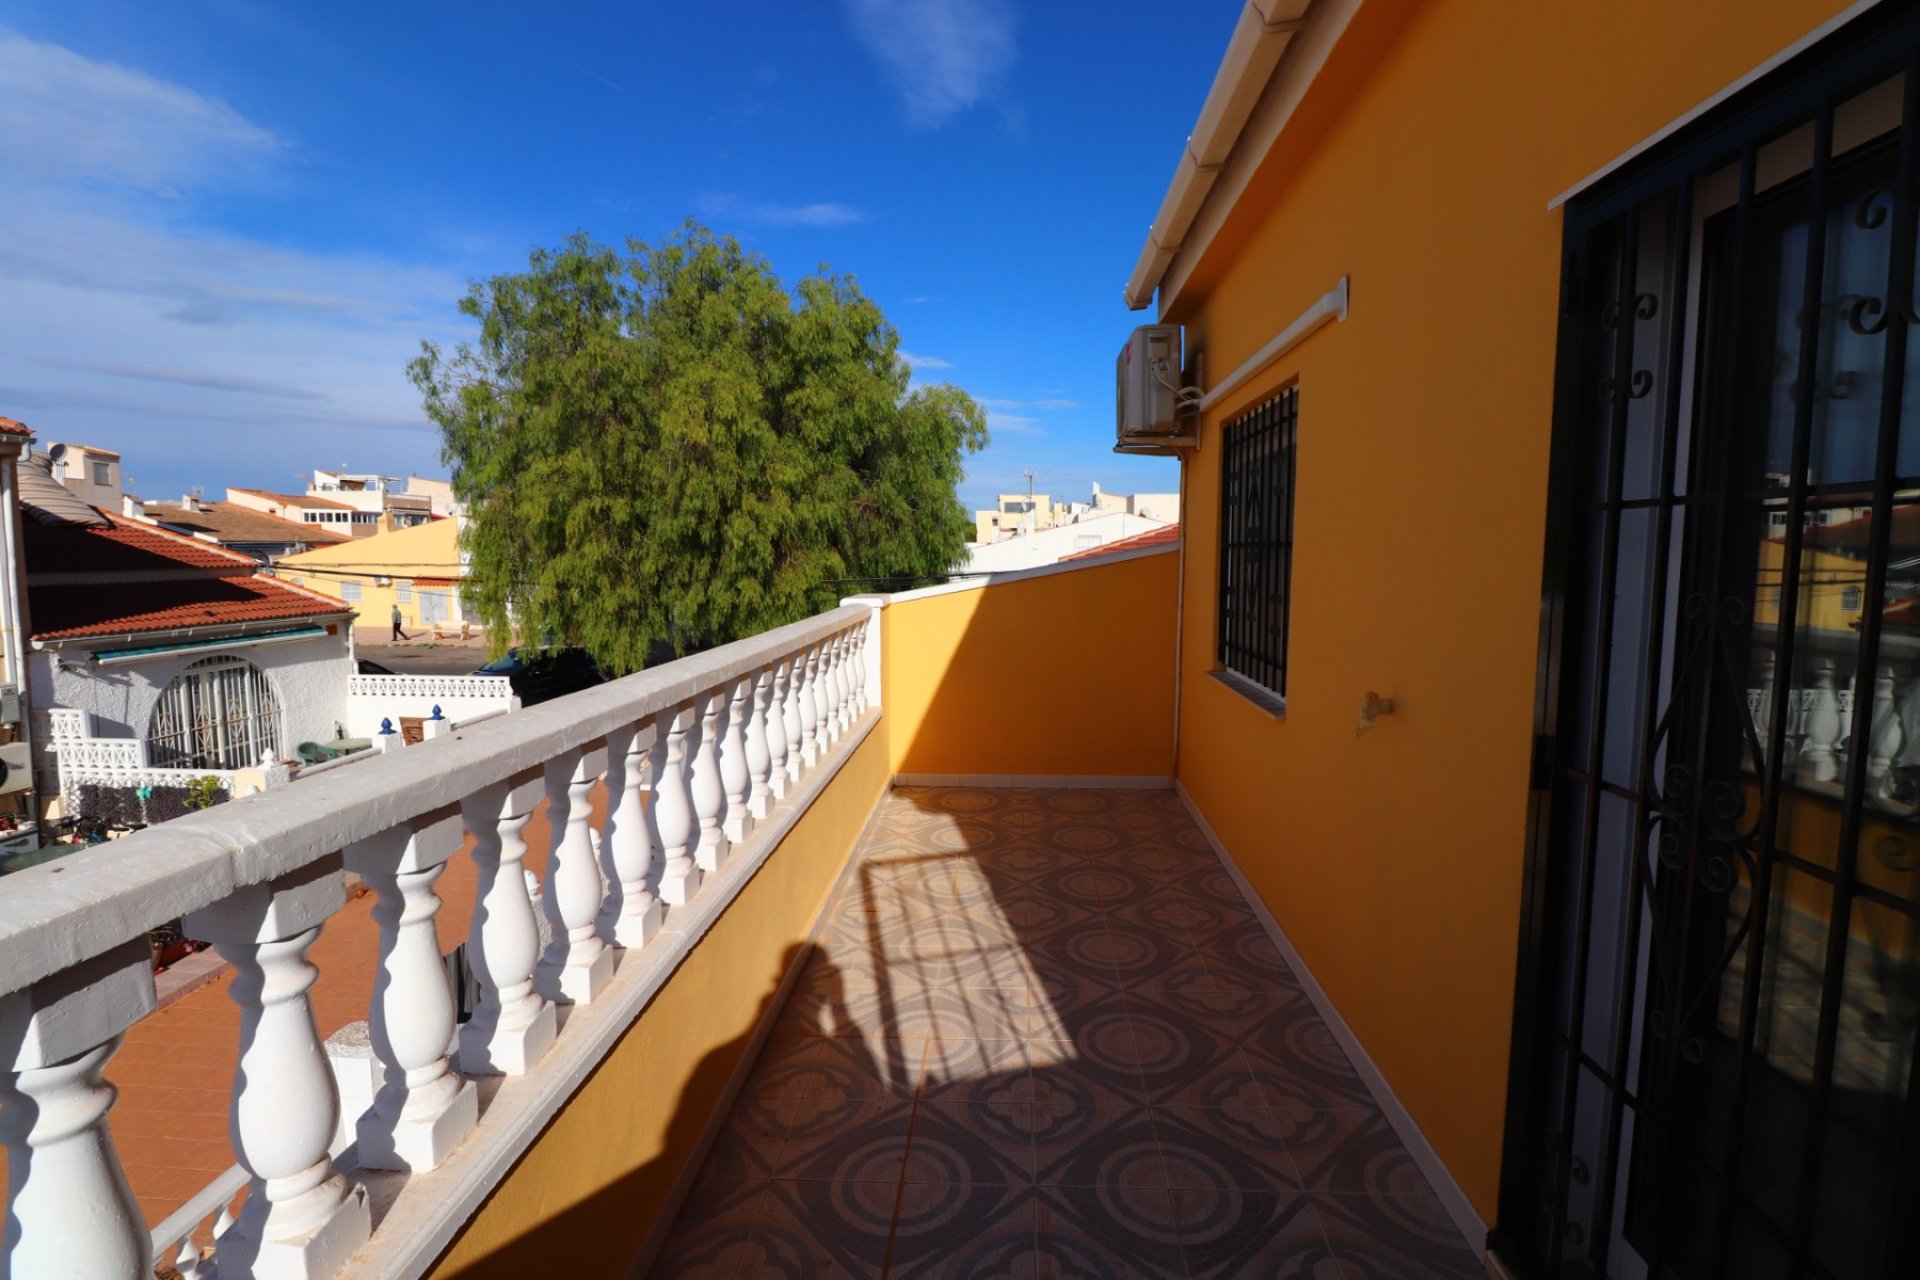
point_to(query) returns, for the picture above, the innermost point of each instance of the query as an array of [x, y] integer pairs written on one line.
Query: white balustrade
[[836, 687], [632, 913], [422, 1109], [578, 963], [512, 1024], [735, 776], [69, 1209], [260, 882], [709, 792], [301, 1218], [671, 815], [759, 749], [776, 730], [807, 699]]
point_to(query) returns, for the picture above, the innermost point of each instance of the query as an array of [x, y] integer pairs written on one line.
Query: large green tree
[[666, 446]]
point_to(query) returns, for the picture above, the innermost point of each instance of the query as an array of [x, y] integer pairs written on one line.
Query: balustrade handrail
[[472, 685], [64, 914]]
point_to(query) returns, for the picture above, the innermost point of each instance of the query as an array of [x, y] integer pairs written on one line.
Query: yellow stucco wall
[[430, 550], [972, 686], [1421, 165], [584, 1197]]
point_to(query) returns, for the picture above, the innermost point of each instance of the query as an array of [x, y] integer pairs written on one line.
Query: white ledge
[[61, 913], [1017, 575]]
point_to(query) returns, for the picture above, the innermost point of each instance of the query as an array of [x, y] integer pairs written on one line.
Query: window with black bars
[[1256, 541]]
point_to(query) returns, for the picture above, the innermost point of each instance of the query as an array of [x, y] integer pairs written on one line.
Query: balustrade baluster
[[422, 1110], [759, 749], [809, 710], [672, 811], [1821, 712], [512, 1024], [301, 1218], [842, 656], [577, 963], [709, 793], [860, 699], [69, 1209], [823, 701], [776, 733], [735, 776], [1885, 737], [632, 913]]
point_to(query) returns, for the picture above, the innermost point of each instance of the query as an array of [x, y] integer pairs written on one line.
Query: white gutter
[[1328, 307], [1265, 29]]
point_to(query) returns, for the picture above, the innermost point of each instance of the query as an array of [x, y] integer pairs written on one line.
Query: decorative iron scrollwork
[[1645, 307], [1716, 873], [1639, 386], [1869, 316]]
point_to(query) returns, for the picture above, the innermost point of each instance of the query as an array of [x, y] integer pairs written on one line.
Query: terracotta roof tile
[[231, 522], [1162, 536], [11, 427], [122, 547], [296, 499], [63, 612]]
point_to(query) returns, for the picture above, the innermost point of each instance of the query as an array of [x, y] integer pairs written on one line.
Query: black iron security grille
[[1714, 1069], [1256, 540]]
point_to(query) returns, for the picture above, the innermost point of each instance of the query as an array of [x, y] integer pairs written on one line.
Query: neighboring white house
[[90, 473], [1046, 546], [157, 657]]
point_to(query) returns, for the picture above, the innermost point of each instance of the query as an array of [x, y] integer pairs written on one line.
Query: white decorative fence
[[706, 761], [371, 699], [116, 762]]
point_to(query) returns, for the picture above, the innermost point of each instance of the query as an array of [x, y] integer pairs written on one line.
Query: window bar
[[1224, 642], [1679, 246], [1901, 1253], [1785, 645], [1879, 533], [1714, 483], [1290, 470], [1269, 533], [1613, 392]]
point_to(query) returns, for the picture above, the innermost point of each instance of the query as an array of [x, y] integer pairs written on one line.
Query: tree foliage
[[665, 446]]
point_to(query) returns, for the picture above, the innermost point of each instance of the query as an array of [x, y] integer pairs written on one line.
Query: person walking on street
[[398, 634]]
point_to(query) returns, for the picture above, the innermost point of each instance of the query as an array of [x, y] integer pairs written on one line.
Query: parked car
[[368, 667], [540, 675]]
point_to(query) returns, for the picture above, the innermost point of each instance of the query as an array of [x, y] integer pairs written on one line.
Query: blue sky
[[226, 226]]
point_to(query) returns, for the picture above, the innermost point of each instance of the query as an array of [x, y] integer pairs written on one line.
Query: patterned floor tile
[[1043, 1037]]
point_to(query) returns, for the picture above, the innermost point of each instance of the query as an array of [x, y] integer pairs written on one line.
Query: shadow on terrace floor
[[1042, 1034]]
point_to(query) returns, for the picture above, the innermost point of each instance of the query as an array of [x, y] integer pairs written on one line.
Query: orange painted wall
[[1069, 673], [1421, 165]]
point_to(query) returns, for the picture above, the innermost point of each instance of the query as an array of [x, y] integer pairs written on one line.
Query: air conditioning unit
[[1147, 391], [16, 768], [9, 704]]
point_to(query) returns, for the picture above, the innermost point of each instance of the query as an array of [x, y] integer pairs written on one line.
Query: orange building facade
[[1501, 198]]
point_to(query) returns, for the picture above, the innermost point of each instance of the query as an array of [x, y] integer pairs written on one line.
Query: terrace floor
[[1042, 1034]]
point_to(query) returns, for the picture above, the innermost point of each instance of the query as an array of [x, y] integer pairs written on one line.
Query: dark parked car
[[368, 667], [540, 675]]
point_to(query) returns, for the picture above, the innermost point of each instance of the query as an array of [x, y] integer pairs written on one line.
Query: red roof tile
[[9, 426], [62, 613], [296, 499], [231, 522], [1162, 536], [122, 547]]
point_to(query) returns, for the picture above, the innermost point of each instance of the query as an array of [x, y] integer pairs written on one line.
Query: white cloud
[[66, 118], [1013, 424], [941, 56], [203, 355], [918, 362], [824, 213], [1049, 405]]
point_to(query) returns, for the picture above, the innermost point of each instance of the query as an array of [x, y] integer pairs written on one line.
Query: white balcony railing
[[707, 762], [371, 699], [1818, 740], [114, 762]]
